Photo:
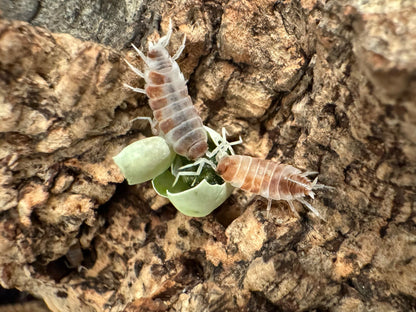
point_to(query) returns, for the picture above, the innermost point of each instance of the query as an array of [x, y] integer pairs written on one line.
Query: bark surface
[[326, 86]]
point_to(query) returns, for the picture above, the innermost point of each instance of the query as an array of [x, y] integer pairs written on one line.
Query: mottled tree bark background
[[326, 86]]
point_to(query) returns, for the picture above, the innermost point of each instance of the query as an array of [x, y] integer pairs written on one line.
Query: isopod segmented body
[[270, 179], [175, 116]]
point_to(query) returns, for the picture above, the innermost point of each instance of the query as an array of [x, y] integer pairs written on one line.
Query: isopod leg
[[224, 133], [230, 144], [223, 145], [306, 186], [183, 173], [166, 38], [311, 208], [269, 206], [308, 173], [141, 54], [200, 163], [136, 70], [316, 185], [153, 123], [138, 90], [179, 52], [214, 151], [292, 207]]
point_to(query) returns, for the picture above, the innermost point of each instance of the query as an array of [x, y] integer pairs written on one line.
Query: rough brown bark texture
[[326, 86]]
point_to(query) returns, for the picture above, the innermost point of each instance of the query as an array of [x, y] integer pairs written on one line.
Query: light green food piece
[[198, 201], [163, 182], [144, 159], [201, 200]]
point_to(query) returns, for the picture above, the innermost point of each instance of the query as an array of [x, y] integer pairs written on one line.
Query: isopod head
[[145, 159]]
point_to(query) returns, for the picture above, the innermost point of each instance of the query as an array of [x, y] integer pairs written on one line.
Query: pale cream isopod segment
[[174, 114]]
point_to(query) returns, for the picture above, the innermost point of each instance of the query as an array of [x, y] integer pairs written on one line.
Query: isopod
[[173, 110], [270, 179]]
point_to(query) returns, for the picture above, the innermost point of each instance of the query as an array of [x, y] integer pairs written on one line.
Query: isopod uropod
[[174, 114], [270, 179]]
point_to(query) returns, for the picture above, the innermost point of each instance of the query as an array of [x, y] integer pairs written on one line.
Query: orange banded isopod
[[270, 179]]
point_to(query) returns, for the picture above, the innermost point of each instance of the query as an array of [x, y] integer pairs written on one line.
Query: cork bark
[[326, 86]]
